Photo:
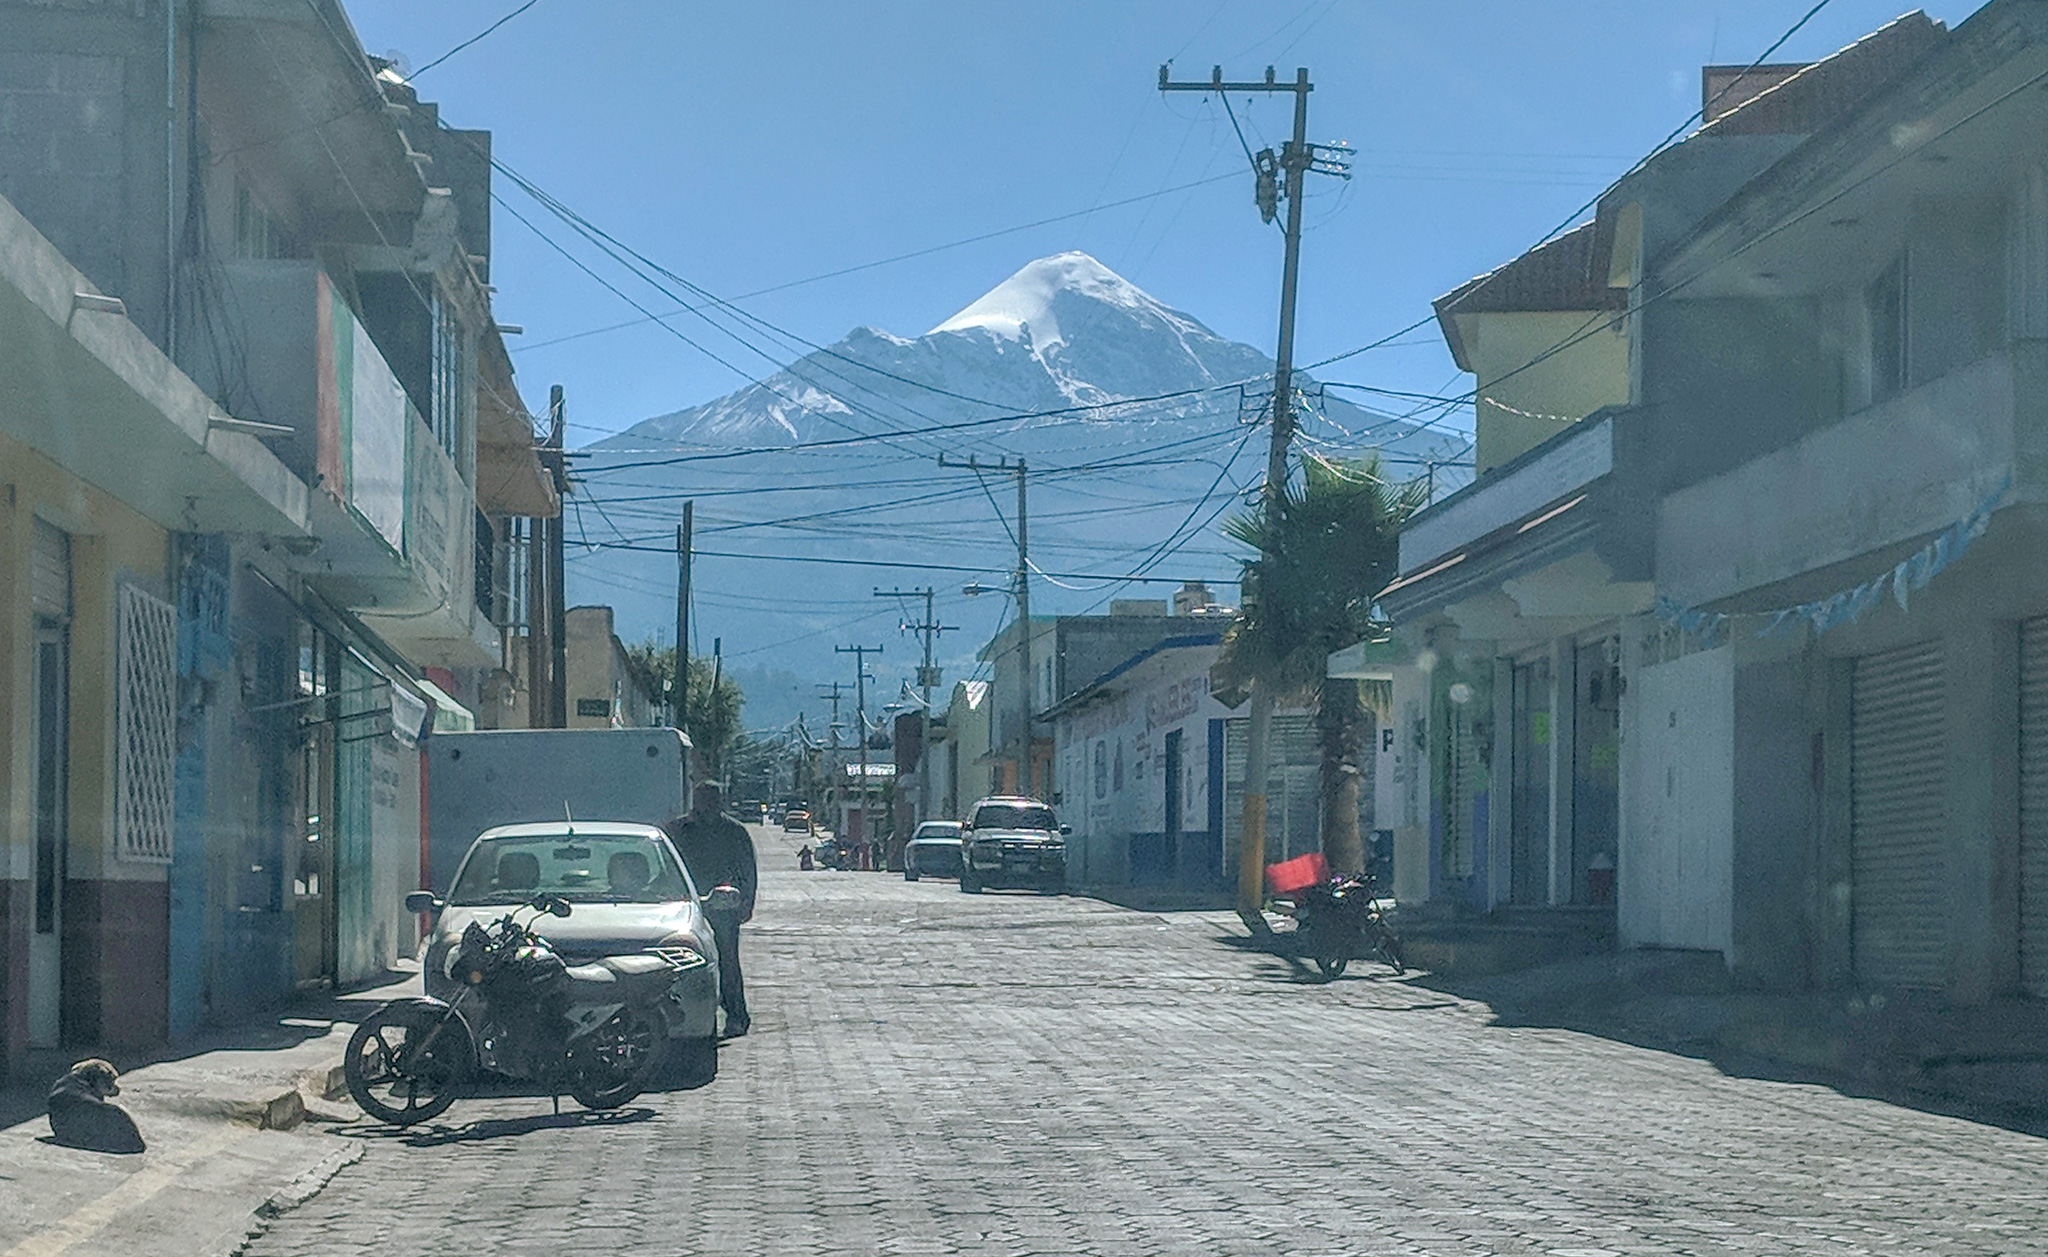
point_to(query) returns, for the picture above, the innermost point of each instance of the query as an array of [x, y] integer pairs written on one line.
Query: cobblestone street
[[931, 1072]]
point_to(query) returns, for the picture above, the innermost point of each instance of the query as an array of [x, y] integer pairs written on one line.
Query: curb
[[274, 1106], [284, 1200]]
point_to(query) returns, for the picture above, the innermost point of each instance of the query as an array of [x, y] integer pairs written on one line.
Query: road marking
[[90, 1219]]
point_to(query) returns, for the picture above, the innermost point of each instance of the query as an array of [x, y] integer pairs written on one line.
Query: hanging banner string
[[1910, 575]]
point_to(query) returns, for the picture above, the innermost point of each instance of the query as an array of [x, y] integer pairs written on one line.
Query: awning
[[449, 715]]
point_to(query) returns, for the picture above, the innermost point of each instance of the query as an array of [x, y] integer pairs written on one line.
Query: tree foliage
[[711, 720], [1332, 546]]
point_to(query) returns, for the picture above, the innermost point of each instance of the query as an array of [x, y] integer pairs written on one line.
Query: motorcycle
[[1340, 918], [598, 1030]]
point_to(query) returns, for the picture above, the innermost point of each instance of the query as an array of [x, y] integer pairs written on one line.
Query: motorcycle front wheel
[[1390, 951], [408, 1062], [616, 1061]]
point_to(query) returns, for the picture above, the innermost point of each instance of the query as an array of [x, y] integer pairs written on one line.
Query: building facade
[[1753, 653], [247, 500]]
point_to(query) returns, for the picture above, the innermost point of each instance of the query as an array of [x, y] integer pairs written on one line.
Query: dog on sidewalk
[[82, 1114]]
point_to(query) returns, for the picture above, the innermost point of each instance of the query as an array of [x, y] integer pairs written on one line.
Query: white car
[[631, 894], [933, 851]]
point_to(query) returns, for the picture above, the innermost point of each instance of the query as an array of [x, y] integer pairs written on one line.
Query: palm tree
[[1331, 548]]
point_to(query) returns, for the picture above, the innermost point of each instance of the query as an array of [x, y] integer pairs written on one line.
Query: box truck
[[475, 781]]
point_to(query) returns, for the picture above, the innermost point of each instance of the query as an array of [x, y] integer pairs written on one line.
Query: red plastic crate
[[1299, 873]]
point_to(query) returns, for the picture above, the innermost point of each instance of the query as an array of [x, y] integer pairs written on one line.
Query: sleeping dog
[[81, 1115]]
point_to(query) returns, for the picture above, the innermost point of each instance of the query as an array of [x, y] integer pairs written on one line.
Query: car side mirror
[[723, 900], [424, 901], [1066, 829]]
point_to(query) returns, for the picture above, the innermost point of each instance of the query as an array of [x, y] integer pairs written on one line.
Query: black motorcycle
[[1339, 919], [598, 1031]]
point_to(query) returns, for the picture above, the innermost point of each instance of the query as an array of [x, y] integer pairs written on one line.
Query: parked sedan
[[934, 851], [631, 894]]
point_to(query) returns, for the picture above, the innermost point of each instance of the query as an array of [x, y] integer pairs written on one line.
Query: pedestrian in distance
[[718, 852], [804, 859]]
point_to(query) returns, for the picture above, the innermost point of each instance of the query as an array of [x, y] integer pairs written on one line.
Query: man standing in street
[[718, 852]]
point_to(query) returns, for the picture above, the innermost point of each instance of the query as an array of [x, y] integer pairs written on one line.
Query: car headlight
[[680, 952]]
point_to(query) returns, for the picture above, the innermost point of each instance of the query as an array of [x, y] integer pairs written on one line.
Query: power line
[[1597, 197], [887, 261], [473, 39]]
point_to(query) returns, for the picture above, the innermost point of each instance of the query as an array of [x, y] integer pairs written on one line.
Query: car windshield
[[1015, 816], [582, 868], [944, 829]]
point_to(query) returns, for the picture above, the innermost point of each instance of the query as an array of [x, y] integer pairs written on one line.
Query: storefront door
[[52, 685], [1529, 852]]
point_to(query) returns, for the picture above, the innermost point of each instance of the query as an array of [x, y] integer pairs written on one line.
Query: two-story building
[[1752, 648], [244, 252]]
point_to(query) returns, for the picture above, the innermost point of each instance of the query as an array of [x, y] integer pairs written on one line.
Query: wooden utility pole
[[680, 686], [927, 680], [1296, 159], [860, 721], [558, 606], [1021, 591]]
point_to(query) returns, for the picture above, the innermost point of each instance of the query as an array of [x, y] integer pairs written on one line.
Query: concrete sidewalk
[[1986, 1061], [235, 1126]]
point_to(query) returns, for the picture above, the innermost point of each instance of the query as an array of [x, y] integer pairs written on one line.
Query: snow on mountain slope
[[1063, 331]]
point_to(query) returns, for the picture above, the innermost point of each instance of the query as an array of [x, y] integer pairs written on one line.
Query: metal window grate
[[145, 715]]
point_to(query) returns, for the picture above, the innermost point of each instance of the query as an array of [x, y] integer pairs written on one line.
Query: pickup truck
[[1011, 841]]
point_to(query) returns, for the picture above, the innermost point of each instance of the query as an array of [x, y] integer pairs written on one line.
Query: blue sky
[[749, 145]]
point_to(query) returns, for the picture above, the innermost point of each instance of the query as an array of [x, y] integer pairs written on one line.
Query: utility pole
[[927, 680], [832, 730], [1296, 159], [558, 605], [1022, 593], [717, 679], [680, 686], [860, 719]]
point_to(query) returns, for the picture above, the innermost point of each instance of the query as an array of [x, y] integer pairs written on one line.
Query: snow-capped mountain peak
[[1027, 303]]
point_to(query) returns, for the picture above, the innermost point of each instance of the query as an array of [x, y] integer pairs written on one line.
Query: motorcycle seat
[[626, 977]]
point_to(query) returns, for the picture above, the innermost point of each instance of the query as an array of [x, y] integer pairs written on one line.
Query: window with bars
[[145, 721]]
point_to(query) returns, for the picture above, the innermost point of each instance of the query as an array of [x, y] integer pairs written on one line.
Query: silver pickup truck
[[1011, 841]]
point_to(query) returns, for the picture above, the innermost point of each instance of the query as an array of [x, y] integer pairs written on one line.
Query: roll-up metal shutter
[[1293, 788], [49, 573], [2034, 806], [1899, 923]]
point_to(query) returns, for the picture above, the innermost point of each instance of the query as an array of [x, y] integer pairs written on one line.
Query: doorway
[[1529, 842], [50, 776], [1596, 771], [1173, 803]]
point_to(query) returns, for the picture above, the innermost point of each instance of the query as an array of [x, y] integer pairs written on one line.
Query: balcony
[[1883, 476], [393, 520], [1519, 489], [88, 390]]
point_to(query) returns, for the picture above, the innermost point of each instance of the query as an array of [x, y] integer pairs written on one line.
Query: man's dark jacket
[[717, 852]]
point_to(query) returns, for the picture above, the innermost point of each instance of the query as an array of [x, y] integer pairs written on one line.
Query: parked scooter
[[1339, 919], [598, 1031]]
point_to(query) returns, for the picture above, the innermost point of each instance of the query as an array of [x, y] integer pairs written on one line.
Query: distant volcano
[[1033, 368]]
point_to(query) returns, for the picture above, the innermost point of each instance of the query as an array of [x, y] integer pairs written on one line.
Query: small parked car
[[1011, 841], [933, 851], [796, 821], [630, 892]]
